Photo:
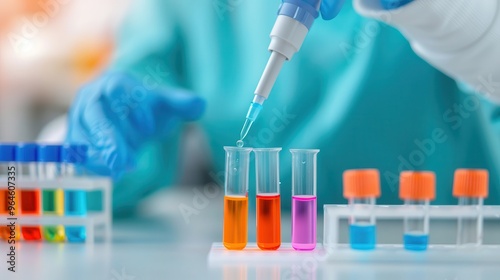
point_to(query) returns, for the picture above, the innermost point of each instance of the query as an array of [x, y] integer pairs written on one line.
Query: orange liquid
[[4, 210], [234, 235], [30, 205], [268, 221]]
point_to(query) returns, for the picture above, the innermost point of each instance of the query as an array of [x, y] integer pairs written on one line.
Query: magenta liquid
[[303, 222]]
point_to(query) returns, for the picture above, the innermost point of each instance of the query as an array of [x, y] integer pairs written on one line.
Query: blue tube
[[75, 201], [75, 204]]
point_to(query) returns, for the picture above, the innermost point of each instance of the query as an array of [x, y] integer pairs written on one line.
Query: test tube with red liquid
[[304, 198], [26, 159], [268, 198]]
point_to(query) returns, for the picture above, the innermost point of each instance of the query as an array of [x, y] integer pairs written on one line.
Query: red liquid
[[268, 221], [30, 205], [5, 202]]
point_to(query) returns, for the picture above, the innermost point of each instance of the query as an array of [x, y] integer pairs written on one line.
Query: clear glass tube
[[268, 198], [470, 230], [362, 231], [416, 230], [304, 205], [235, 228]]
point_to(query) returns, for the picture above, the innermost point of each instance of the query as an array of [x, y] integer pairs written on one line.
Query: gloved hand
[[394, 4], [116, 114], [330, 8]]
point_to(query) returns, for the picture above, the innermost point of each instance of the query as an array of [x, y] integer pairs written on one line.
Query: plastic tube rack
[[91, 221], [395, 252]]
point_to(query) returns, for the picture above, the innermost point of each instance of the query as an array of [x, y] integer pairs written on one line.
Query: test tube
[[49, 168], [470, 186], [26, 159], [304, 199], [75, 201], [9, 198], [361, 188], [235, 228], [417, 189], [268, 198]]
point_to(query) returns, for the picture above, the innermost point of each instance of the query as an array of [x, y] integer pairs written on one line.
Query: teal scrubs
[[356, 91]]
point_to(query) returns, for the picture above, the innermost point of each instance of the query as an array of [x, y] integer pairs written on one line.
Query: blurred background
[[48, 49]]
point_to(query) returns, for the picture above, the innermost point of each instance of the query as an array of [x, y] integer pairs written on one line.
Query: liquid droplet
[[304, 162], [239, 143]]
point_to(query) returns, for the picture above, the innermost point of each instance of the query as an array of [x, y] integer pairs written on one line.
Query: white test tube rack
[[395, 252], [91, 221]]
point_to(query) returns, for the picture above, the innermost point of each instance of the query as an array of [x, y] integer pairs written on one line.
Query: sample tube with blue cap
[[9, 196], [73, 158], [361, 188], [417, 189], [26, 160], [49, 168]]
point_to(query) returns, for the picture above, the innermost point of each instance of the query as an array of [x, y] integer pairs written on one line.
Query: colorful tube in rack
[[235, 225], [49, 168], [26, 160], [470, 186], [361, 188], [268, 198], [9, 196], [417, 189], [73, 158], [304, 205]]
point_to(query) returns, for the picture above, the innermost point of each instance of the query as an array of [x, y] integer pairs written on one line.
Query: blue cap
[[49, 153], [74, 153], [7, 152], [26, 152]]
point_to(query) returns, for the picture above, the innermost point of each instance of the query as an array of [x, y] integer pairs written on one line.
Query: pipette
[[294, 20]]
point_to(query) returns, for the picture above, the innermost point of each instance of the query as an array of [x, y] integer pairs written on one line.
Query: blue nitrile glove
[[330, 8], [116, 114], [394, 4]]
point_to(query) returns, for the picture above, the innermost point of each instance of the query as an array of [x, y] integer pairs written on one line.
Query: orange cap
[[417, 185], [361, 183], [470, 183]]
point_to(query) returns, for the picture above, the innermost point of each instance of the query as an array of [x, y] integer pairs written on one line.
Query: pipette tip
[[245, 129]]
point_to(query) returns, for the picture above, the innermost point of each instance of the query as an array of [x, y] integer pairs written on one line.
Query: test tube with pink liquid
[[304, 199]]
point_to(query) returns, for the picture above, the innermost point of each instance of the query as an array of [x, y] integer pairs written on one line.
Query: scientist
[[420, 96]]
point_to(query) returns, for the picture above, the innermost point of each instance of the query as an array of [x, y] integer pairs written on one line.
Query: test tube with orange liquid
[[268, 198], [9, 202], [235, 228]]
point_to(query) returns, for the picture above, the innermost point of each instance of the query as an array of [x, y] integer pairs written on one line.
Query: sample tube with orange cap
[[470, 186], [268, 198], [235, 228], [417, 189], [361, 188]]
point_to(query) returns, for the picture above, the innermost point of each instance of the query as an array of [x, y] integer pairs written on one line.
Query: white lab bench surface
[[159, 243]]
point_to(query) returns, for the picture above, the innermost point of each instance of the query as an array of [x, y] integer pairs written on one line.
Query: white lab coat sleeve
[[459, 37]]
